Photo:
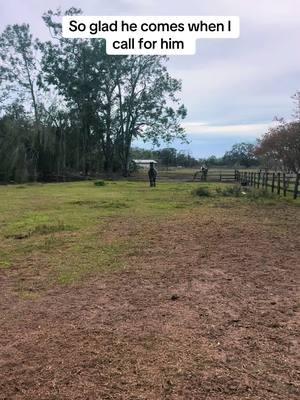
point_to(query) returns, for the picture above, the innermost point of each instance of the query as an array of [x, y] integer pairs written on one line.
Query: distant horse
[[203, 171]]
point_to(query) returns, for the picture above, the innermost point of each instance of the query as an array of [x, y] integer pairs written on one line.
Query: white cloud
[[201, 129]]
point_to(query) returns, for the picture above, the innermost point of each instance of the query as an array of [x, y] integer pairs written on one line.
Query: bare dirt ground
[[207, 308]]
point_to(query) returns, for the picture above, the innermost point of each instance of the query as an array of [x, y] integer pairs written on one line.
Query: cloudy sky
[[232, 88]]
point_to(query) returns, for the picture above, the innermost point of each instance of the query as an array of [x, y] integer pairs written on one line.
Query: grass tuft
[[201, 191], [229, 191], [29, 227], [5, 264], [99, 183], [101, 204]]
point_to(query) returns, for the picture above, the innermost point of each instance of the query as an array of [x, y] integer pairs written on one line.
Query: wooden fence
[[277, 182], [225, 175]]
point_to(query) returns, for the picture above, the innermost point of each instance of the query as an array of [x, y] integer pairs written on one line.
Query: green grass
[[4, 264], [57, 232]]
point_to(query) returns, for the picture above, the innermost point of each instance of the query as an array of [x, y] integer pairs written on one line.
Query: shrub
[[229, 191], [99, 183], [202, 192]]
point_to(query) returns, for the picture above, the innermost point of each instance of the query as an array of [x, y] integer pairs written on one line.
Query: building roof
[[144, 161]]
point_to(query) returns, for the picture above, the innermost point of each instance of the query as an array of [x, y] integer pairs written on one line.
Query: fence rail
[[277, 182], [216, 176]]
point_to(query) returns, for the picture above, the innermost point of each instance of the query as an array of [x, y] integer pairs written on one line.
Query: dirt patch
[[207, 308]]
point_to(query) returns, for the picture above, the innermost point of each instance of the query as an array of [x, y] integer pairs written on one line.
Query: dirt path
[[208, 308]]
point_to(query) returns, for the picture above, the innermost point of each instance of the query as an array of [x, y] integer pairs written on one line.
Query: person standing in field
[[152, 174]]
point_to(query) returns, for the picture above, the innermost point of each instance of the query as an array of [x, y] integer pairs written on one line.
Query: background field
[[124, 292]]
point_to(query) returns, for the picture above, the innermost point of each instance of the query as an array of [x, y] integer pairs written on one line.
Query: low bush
[[229, 191], [202, 192], [99, 183]]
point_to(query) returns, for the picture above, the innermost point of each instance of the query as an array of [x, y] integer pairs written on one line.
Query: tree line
[[68, 107], [241, 154]]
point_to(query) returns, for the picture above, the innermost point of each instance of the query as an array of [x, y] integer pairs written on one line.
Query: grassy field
[[46, 221], [125, 292]]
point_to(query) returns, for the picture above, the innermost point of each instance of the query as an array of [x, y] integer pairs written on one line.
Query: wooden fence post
[[258, 179], [267, 180], [284, 184], [296, 186], [278, 183], [273, 182], [254, 180]]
